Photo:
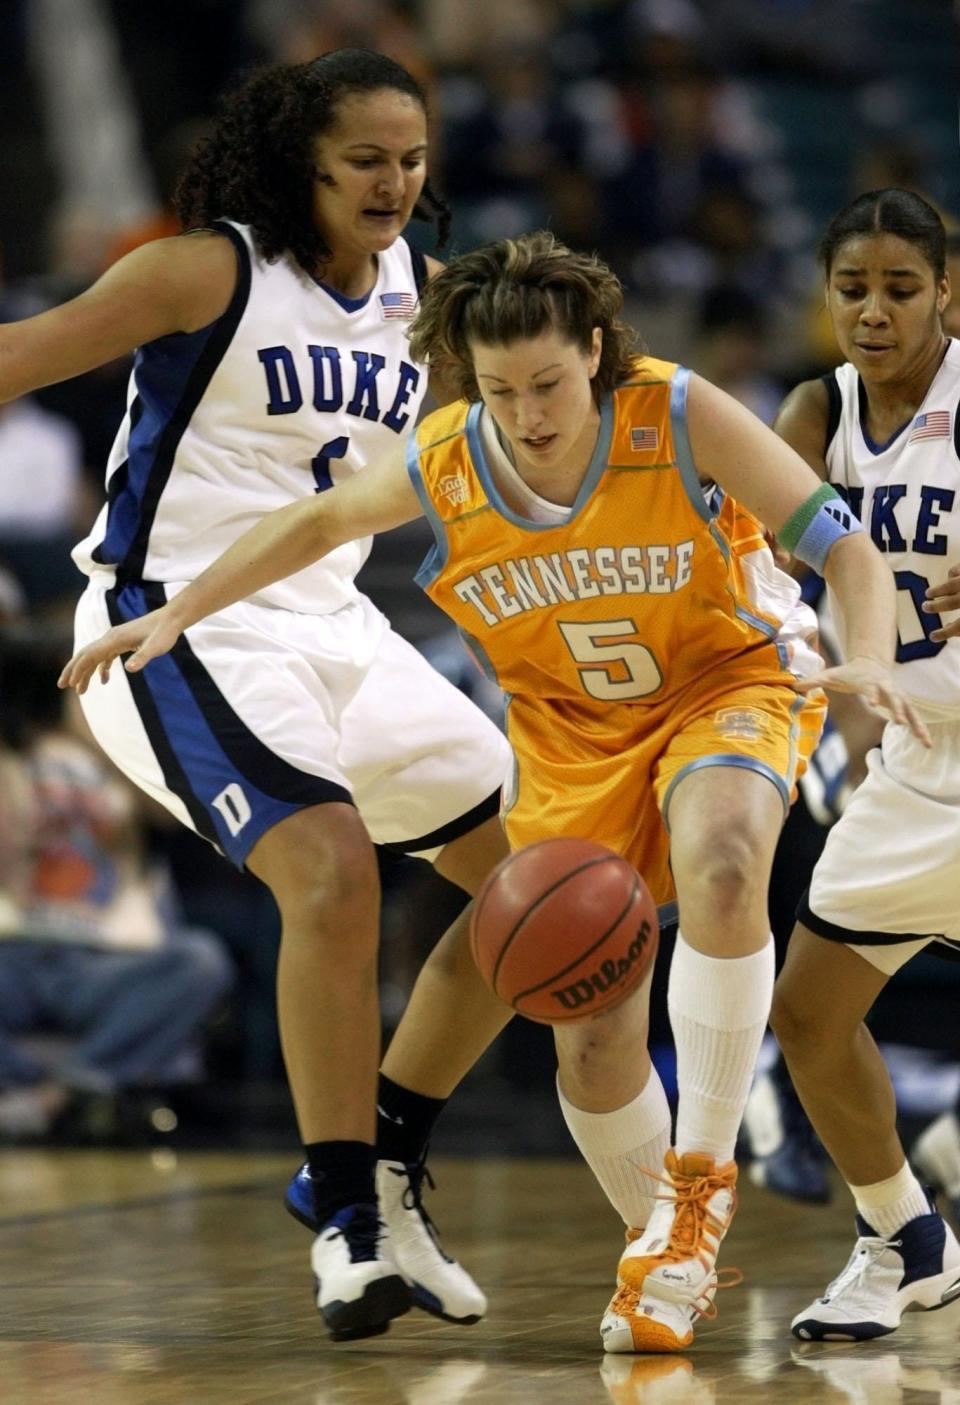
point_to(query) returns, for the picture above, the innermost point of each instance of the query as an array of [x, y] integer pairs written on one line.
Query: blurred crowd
[[698, 145]]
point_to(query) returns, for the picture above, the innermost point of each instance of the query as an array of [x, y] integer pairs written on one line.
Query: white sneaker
[[671, 1266], [439, 1284], [641, 1323], [359, 1286], [936, 1156], [916, 1269]]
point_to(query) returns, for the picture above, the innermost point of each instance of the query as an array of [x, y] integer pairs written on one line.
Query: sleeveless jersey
[[648, 588], [907, 495], [293, 388]]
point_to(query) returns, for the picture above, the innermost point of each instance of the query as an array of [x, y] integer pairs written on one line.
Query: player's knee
[[591, 1051], [324, 875], [796, 1025], [727, 878]]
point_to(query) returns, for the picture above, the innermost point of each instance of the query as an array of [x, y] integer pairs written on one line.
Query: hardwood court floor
[[128, 1280]]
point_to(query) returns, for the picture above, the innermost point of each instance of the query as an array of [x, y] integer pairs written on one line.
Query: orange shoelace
[[691, 1196]]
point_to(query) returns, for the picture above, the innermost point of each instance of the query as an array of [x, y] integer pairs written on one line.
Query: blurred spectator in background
[[733, 350], [92, 948], [47, 495], [677, 159], [44, 501], [513, 144], [169, 159], [296, 31]]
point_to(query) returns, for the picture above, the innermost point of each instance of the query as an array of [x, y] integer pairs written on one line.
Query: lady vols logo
[[454, 487], [747, 724]]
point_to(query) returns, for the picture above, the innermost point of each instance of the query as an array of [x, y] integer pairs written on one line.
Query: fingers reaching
[[942, 599], [874, 688]]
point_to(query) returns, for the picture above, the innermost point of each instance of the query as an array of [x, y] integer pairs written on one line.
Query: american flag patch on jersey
[[642, 437], [397, 304], [935, 424]]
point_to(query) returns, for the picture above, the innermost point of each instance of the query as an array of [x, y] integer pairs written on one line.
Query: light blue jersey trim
[[795, 709], [511, 788], [681, 442], [668, 915], [764, 626], [598, 463], [720, 758], [436, 558], [473, 646]]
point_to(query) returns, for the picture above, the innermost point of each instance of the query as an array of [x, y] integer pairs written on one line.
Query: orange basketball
[[563, 929]]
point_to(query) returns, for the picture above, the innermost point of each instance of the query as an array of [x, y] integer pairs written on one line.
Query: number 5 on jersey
[[604, 664]]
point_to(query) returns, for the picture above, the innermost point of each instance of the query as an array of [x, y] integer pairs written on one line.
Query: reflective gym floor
[[139, 1278]]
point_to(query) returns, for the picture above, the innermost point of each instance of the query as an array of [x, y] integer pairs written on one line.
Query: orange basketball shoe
[[669, 1272]]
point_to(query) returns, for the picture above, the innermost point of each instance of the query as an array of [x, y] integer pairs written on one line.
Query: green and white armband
[[817, 524]]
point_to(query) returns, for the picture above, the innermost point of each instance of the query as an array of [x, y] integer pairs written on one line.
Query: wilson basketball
[[563, 929]]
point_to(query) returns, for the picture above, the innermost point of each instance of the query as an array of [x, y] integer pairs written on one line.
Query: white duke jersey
[[907, 495], [292, 389]]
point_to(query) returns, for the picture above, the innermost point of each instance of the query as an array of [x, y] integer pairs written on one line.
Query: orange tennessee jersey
[[650, 587]]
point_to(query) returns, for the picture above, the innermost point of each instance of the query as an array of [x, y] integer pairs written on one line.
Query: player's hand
[[145, 638], [942, 598], [873, 682], [781, 556]]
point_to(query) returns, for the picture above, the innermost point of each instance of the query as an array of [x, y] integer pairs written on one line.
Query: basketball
[[563, 929]]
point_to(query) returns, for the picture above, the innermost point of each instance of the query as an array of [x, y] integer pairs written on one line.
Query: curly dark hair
[[518, 288], [257, 164]]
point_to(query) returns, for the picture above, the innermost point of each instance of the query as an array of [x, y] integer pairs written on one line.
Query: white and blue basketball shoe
[[438, 1284], [916, 1269]]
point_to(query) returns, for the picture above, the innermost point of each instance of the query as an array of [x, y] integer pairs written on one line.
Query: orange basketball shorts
[[609, 773]]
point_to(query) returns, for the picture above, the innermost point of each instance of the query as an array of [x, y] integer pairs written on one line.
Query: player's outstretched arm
[[285, 542], [770, 478], [168, 285]]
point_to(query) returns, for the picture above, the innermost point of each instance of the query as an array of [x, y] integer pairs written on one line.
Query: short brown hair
[[514, 289]]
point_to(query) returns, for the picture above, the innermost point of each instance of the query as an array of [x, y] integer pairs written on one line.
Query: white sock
[[718, 1012], [888, 1205], [616, 1145]]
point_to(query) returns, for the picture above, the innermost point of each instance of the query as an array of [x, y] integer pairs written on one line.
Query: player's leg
[[724, 823], [451, 1017], [614, 1104], [616, 1110], [429, 785], [724, 782], [610, 1094], [248, 758], [822, 996], [450, 1021], [321, 868], [878, 879], [905, 1255]]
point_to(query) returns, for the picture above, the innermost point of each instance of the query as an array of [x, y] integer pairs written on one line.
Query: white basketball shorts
[[888, 881], [259, 712]]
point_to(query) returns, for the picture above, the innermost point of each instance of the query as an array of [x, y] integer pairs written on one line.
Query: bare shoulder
[[802, 420], [195, 274], [165, 286], [434, 266]]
